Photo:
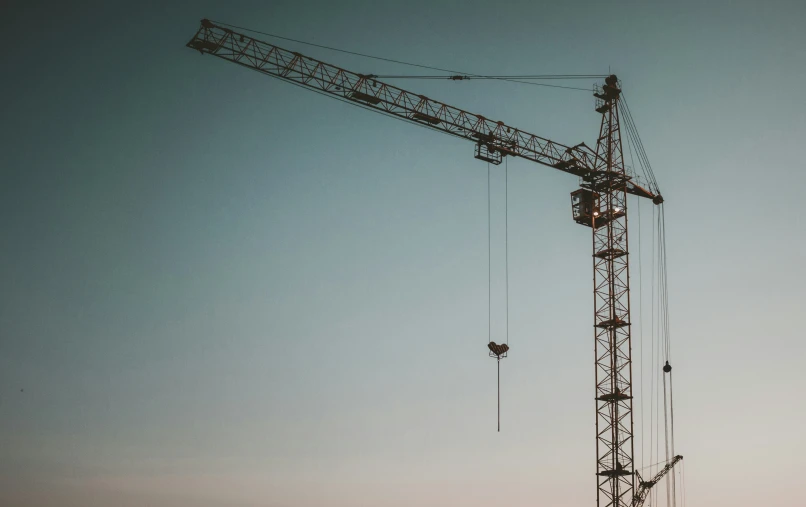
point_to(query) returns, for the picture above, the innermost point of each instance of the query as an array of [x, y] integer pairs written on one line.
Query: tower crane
[[600, 203]]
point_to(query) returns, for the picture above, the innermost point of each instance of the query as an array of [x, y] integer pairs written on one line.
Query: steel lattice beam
[[302, 70], [645, 486], [614, 418]]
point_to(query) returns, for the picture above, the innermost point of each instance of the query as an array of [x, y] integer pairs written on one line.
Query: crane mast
[[600, 203], [611, 287]]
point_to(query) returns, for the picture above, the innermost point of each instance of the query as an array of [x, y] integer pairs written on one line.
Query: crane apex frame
[[600, 203]]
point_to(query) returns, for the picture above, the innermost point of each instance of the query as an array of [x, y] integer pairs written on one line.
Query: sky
[[220, 289]]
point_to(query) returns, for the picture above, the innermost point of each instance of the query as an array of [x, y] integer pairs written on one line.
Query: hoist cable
[[391, 60], [666, 438], [490, 303], [661, 285], [490, 300], [633, 131], [641, 320], [508, 79], [489, 265], [671, 410], [646, 166], [656, 372], [667, 329], [506, 237], [633, 142], [652, 410], [630, 122], [462, 77], [664, 338], [640, 145], [668, 340]]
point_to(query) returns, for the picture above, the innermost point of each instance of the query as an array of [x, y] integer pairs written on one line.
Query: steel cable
[[401, 62]]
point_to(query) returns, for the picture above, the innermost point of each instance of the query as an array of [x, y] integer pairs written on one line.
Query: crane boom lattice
[[494, 139]]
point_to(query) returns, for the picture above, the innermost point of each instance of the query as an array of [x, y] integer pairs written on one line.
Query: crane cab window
[[584, 206]]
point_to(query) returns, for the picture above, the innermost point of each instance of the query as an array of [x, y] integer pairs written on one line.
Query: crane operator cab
[[588, 209], [584, 206]]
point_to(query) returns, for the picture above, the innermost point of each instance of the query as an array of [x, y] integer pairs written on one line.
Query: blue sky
[[220, 289]]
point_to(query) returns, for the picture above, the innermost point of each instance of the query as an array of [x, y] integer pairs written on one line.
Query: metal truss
[[614, 417], [494, 139], [645, 486], [292, 66], [601, 204]]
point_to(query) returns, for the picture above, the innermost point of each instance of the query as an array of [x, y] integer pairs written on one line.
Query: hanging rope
[[653, 360], [666, 441], [663, 284], [506, 237], [663, 314], [671, 410], [511, 79], [489, 302], [641, 404], [496, 350], [453, 73], [660, 336], [489, 266], [506, 267], [632, 133], [463, 77]]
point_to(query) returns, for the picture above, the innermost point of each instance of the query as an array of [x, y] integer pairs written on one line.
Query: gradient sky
[[219, 289]]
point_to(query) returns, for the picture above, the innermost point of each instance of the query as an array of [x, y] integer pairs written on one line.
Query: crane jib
[[499, 138]]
